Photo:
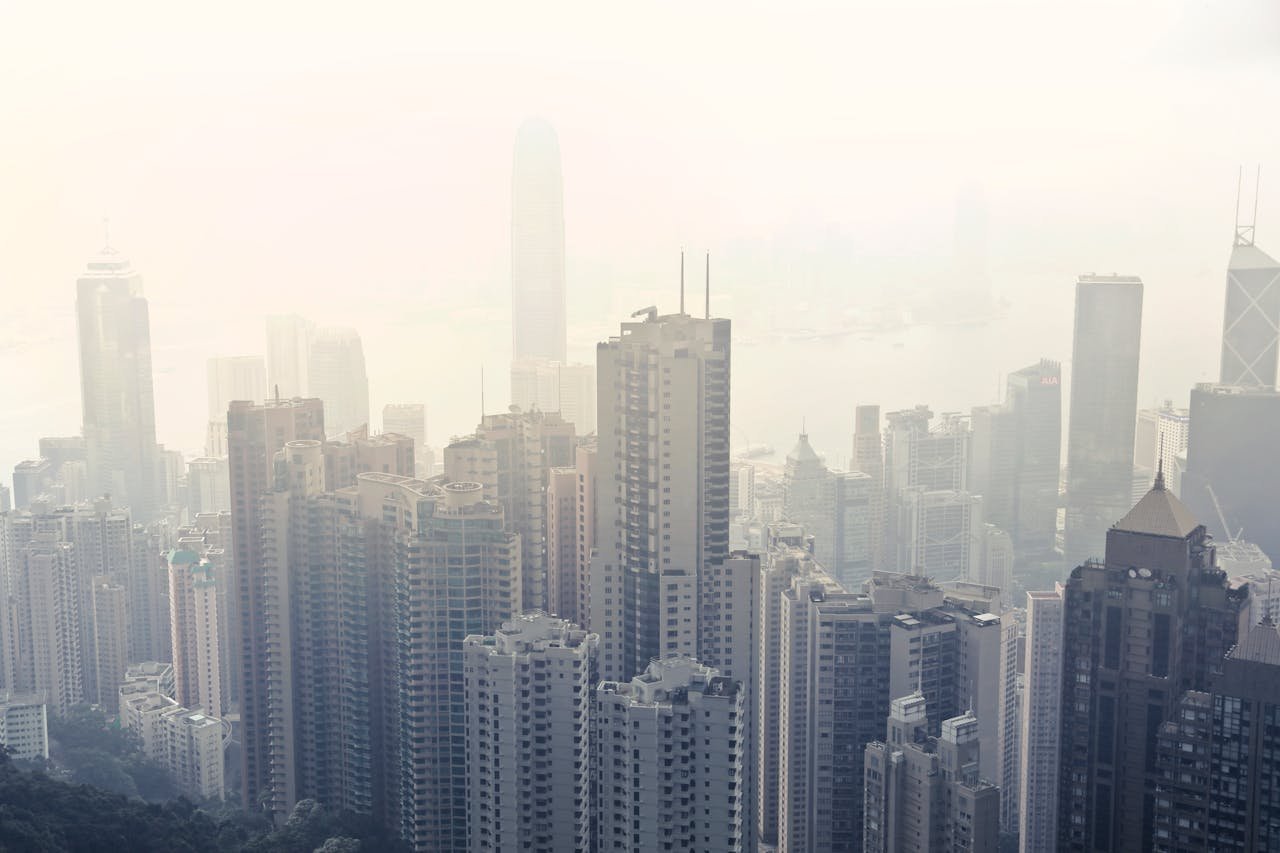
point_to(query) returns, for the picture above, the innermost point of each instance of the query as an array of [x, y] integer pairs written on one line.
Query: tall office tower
[[336, 374], [1216, 758], [1104, 404], [925, 793], [208, 485], [1017, 450], [1041, 722], [578, 396], [31, 479], [537, 245], [288, 356], [1251, 319], [995, 559], [61, 449], [197, 622], [662, 486], [512, 455], [940, 533], [240, 377], [670, 760], [1013, 636], [868, 457], [1161, 437], [110, 648], [1233, 463], [410, 419], [115, 384], [6, 499], [50, 648], [255, 434], [549, 804], [783, 562], [550, 386], [918, 456], [837, 508], [1151, 621]]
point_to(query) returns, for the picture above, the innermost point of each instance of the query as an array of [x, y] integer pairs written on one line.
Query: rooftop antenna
[[682, 281], [1244, 233], [1159, 485], [708, 285], [277, 392]]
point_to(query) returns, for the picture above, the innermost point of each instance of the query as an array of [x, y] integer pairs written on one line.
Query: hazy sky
[[352, 163]]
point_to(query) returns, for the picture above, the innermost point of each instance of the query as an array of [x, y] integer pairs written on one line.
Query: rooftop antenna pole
[[1160, 465], [708, 285], [1257, 185], [682, 281], [1239, 188]]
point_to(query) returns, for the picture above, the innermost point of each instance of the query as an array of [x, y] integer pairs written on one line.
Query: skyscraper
[[868, 457], [241, 377], [662, 486], [1233, 463], [1104, 406], [1041, 722], [288, 355], [336, 374], [255, 434], [1251, 319], [921, 458], [116, 385], [537, 245], [1152, 621], [1017, 451], [409, 419]]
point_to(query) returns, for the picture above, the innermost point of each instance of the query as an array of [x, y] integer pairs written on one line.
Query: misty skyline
[[343, 174]]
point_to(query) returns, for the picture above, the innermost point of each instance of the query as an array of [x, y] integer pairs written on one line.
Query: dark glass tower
[[1233, 449], [1141, 628], [1104, 409]]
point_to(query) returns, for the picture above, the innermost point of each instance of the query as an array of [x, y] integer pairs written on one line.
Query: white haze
[[352, 163]]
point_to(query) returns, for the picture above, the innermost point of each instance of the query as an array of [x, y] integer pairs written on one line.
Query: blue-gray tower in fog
[[537, 245]]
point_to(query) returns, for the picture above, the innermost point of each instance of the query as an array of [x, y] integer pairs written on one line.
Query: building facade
[[1141, 628], [1104, 405], [662, 486], [528, 697], [118, 401], [670, 760]]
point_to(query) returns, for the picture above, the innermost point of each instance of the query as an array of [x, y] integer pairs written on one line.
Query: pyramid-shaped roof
[[1250, 257], [1159, 513], [802, 452]]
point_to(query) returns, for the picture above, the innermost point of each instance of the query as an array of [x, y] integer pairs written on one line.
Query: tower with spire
[[1251, 319], [1150, 621]]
